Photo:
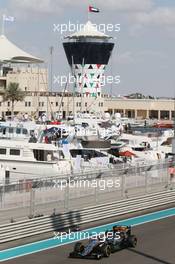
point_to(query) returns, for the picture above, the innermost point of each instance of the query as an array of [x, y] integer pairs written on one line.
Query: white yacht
[[23, 160], [17, 133], [143, 148], [30, 160]]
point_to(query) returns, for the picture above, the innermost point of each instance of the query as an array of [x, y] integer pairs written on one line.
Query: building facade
[[34, 81], [142, 108]]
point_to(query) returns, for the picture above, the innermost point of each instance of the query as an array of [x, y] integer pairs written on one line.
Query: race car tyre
[[132, 241], [106, 251], [79, 247]]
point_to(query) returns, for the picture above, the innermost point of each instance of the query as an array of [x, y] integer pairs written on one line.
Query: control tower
[[88, 52]]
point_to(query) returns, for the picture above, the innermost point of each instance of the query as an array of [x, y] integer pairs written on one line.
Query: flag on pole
[[8, 18], [94, 9]]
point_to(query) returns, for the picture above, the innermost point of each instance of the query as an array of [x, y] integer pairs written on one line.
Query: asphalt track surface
[[156, 244]]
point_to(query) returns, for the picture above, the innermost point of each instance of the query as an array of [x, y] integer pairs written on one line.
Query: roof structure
[[9, 52], [89, 30]]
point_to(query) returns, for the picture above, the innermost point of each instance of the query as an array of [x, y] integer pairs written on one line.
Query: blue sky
[[144, 48]]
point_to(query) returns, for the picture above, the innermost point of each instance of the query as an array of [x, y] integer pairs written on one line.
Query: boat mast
[[73, 74], [82, 80], [173, 141], [51, 49]]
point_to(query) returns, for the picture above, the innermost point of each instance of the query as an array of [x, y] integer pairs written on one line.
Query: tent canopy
[[127, 153], [9, 52]]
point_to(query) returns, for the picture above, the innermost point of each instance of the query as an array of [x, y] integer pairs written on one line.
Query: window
[[99, 154], [40, 154], [10, 130], [8, 103], [88, 154], [75, 152], [24, 131], [85, 104], [29, 104], [56, 103], [41, 103], [62, 103], [2, 151], [18, 130], [4, 130], [15, 152], [61, 154]]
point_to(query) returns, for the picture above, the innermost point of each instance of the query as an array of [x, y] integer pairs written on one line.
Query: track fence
[[54, 194]]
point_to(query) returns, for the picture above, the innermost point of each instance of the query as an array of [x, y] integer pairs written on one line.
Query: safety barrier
[[44, 224]]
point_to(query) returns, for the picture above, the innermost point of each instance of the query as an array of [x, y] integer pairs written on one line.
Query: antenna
[[82, 80], [111, 88], [173, 140], [174, 115], [88, 14], [73, 73], [51, 49], [3, 25]]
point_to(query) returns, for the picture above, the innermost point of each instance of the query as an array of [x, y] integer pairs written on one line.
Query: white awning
[[9, 52]]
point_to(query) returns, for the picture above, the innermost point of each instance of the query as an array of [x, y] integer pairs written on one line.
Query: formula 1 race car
[[94, 249], [119, 237]]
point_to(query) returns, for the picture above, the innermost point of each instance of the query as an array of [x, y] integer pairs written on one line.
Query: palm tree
[[13, 93]]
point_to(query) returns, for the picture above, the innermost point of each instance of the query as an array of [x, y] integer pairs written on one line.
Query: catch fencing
[[50, 195]]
